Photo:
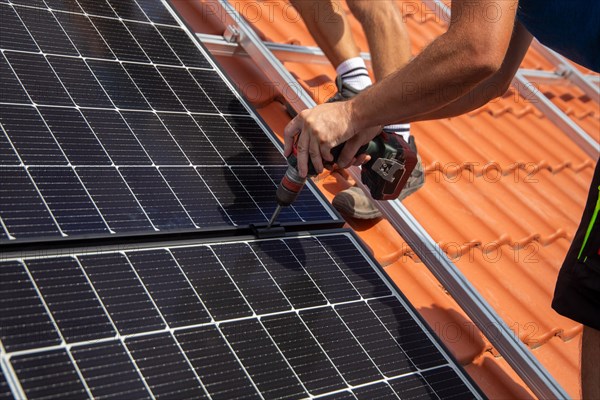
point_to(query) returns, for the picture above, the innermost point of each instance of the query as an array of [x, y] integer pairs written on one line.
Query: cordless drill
[[385, 174]]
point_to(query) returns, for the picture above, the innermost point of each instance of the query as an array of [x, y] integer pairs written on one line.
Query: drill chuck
[[290, 187]]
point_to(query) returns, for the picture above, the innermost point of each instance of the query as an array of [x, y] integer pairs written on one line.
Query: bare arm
[[472, 50], [492, 87]]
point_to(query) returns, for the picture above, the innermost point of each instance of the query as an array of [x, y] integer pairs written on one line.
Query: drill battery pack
[[392, 162]]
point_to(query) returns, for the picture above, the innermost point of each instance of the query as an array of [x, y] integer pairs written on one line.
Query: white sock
[[354, 73], [399, 129]]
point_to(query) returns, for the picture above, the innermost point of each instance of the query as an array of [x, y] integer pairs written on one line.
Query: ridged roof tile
[[503, 196]]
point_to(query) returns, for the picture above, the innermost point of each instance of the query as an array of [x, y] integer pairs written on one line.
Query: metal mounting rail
[[487, 320], [284, 52], [569, 71], [528, 90], [560, 119]]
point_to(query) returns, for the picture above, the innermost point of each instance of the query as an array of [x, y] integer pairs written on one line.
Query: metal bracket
[[231, 34], [518, 356], [387, 168]]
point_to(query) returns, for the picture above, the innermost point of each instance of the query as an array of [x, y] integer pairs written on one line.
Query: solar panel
[[115, 123], [114, 120], [220, 320]]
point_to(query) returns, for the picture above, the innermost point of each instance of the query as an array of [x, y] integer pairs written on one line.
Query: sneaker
[[355, 203], [344, 91]]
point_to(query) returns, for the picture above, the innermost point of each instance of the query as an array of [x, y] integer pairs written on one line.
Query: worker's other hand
[[318, 130]]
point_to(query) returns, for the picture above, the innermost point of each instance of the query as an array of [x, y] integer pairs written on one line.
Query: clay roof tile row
[[503, 196]]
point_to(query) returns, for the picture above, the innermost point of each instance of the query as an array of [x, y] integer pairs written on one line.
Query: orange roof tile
[[503, 195]]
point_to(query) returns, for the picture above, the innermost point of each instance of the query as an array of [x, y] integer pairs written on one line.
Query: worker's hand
[[319, 130]]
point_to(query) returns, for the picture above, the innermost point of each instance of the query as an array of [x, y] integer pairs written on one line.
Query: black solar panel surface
[[115, 121], [227, 320]]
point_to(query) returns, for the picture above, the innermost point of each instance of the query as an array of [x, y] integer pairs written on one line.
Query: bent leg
[[386, 34], [327, 23]]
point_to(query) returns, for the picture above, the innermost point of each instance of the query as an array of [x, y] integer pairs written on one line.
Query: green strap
[[590, 226]]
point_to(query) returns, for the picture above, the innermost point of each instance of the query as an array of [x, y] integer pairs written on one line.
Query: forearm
[[442, 76], [486, 91], [490, 88]]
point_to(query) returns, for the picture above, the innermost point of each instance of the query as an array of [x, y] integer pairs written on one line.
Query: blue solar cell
[[216, 364], [195, 196], [156, 198], [128, 10], [289, 274], [80, 82], [267, 367], [12, 91], [119, 39], [130, 307], [78, 313], [218, 292], [7, 153], [164, 367], [68, 201], [155, 138], [341, 346], [153, 87], [417, 346], [46, 31], [326, 274], [191, 139], [13, 34], [310, 363], [109, 372], [35, 371], [24, 323], [232, 196], [97, 7], [116, 137], [74, 136], [152, 43], [187, 90], [357, 269], [157, 12], [21, 207], [253, 281], [39, 80], [30, 136], [169, 288], [183, 46], [114, 199], [84, 36], [118, 85]]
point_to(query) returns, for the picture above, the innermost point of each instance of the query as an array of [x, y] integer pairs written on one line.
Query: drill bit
[[274, 217]]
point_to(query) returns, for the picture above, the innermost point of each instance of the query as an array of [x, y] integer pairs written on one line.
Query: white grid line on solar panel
[[238, 319], [163, 124], [165, 321], [82, 12], [227, 122], [233, 212], [9, 374], [223, 267], [51, 316], [151, 63], [225, 117]]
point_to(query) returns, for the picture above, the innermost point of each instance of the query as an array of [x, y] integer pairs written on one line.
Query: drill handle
[[335, 152]]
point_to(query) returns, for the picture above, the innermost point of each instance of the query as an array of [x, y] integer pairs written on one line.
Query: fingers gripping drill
[[385, 174]]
